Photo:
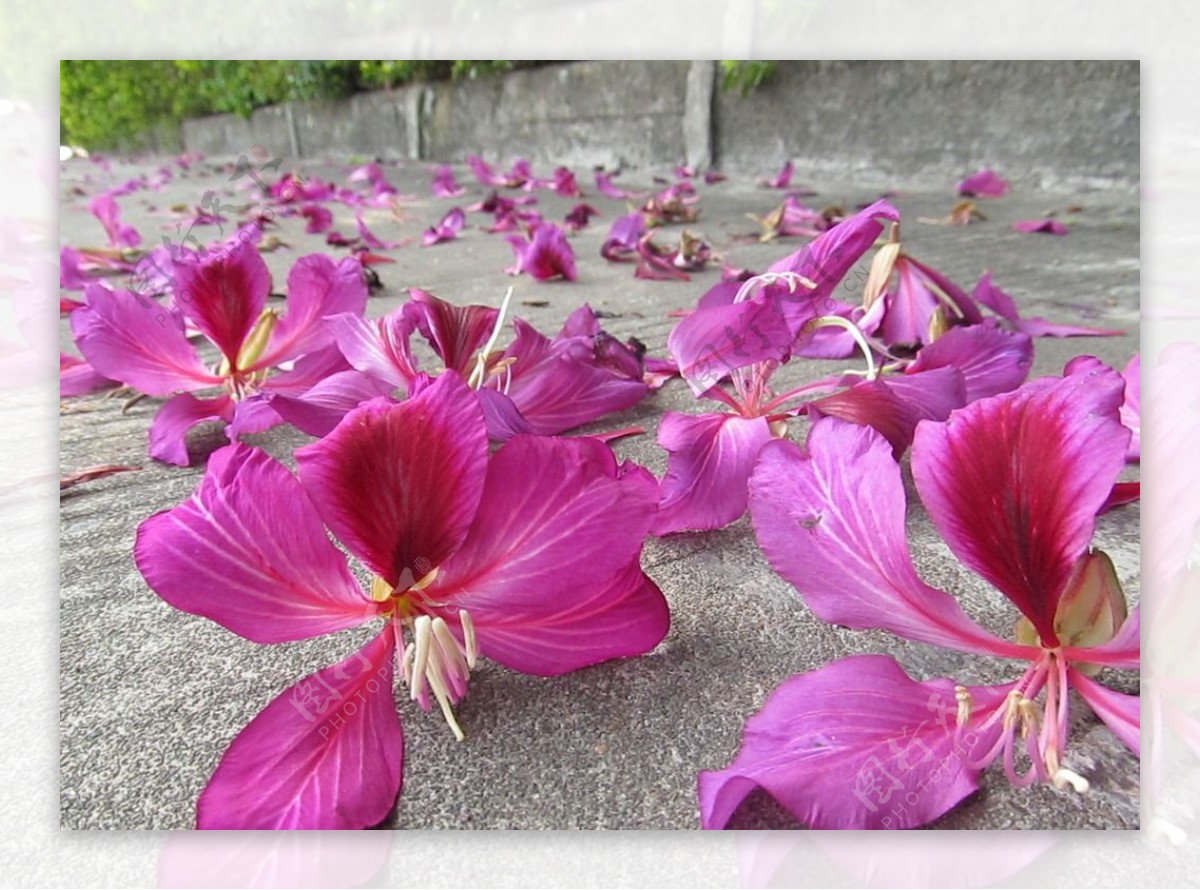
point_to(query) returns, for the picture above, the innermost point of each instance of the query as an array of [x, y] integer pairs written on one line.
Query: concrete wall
[[891, 123], [1040, 122]]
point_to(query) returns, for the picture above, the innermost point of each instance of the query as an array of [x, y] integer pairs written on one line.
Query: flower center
[[1043, 732], [436, 666]]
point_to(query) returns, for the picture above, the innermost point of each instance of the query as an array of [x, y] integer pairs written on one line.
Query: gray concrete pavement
[[150, 696]]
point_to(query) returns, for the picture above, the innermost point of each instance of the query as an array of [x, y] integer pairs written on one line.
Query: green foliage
[[745, 76], [107, 104]]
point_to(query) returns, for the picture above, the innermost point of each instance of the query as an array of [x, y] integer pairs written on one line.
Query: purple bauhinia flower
[[577, 217], [606, 187], [369, 238], [536, 385], [132, 339], [782, 180], [544, 256], [623, 237], [530, 558], [984, 184], [447, 229], [120, 236], [319, 218], [565, 183], [444, 184], [711, 455], [1014, 484], [735, 326], [1043, 226]]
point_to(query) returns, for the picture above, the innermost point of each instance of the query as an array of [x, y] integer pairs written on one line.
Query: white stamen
[[1064, 777], [963, 696], [438, 684], [836, 321], [477, 375], [468, 629], [422, 630], [791, 279], [453, 657]]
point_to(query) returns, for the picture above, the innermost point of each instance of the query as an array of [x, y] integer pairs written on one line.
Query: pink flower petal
[[1044, 226], [446, 230], [558, 385], [77, 377], [782, 179], [894, 406], [1014, 483], [326, 754], [831, 522], [379, 347], [991, 359], [857, 744], [174, 420], [1120, 712], [1131, 405], [984, 184], [710, 457], [248, 551], [317, 288], [319, 218], [370, 239], [549, 572], [988, 294], [132, 339], [400, 483], [223, 295], [545, 256]]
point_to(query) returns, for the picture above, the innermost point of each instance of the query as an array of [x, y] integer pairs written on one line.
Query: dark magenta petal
[[857, 744], [400, 483], [380, 347], [1122, 713], [549, 572], [319, 219], [991, 359], [831, 522], [1014, 483], [895, 405], [174, 420], [223, 295], [248, 551], [317, 288], [456, 333], [710, 457], [132, 339], [327, 754]]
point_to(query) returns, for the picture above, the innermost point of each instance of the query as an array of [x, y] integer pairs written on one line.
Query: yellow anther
[[256, 343], [380, 589]]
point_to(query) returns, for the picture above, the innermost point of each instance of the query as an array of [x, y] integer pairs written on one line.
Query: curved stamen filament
[[791, 279], [435, 662], [836, 321], [479, 371]]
